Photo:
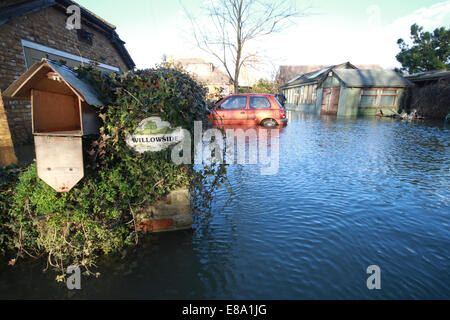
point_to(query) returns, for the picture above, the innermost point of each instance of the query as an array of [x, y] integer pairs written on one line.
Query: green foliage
[[264, 86], [430, 50], [97, 216], [8, 181]]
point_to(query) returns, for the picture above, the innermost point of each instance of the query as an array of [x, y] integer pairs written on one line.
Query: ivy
[[97, 216]]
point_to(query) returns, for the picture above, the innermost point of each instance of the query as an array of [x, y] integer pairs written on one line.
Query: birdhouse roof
[[67, 81]]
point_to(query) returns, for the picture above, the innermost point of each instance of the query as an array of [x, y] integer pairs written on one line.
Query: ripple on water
[[349, 193]]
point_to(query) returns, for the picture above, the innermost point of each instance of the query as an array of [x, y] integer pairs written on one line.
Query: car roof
[[250, 94]]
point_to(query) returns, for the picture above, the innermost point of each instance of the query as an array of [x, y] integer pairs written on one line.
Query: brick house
[[35, 29], [219, 84]]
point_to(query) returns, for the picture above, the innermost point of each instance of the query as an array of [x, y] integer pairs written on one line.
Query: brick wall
[[7, 155], [170, 214], [45, 27]]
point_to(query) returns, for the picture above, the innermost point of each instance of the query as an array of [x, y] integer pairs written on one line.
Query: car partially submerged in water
[[250, 109]]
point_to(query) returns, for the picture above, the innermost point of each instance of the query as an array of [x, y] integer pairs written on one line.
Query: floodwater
[[349, 193]]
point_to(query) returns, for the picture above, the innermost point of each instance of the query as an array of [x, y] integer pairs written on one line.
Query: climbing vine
[[98, 215]]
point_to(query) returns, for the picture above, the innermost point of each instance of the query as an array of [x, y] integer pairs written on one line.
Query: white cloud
[[321, 40], [430, 18]]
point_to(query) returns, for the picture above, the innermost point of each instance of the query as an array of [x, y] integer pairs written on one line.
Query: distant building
[[34, 29], [287, 73], [217, 81], [345, 90]]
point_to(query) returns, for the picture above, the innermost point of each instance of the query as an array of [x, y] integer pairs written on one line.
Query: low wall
[[170, 214], [7, 154]]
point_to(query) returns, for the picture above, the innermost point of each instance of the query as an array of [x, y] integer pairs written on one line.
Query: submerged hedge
[[97, 216], [431, 101]]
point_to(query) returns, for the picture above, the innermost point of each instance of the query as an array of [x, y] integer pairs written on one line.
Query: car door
[[232, 111], [259, 109]]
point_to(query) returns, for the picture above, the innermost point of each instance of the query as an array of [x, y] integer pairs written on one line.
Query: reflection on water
[[349, 193]]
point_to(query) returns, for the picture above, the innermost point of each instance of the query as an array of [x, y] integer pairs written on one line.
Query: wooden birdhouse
[[62, 112]]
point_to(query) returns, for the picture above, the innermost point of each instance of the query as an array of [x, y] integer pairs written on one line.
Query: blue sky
[[360, 31]]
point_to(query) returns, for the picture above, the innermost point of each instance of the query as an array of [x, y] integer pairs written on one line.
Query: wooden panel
[[73, 133], [47, 85], [330, 100], [59, 161], [55, 112]]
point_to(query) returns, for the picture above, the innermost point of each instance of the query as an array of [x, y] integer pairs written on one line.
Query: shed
[[366, 92], [344, 90], [62, 112], [304, 92]]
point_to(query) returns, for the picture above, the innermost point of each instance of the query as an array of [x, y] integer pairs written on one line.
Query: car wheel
[[269, 123]]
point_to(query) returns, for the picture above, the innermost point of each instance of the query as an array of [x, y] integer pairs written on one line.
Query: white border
[[40, 47]]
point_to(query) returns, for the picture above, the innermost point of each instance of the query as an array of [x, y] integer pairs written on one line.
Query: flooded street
[[349, 193]]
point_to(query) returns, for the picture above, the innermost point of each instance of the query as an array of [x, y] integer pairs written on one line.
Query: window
[[378, 97], [308, 96], [259, 103], [369, 98], [35, 52], [296, 96], [388, 98], [314, 95], [279, 104], [238, 102], [85, 36], [304, 95]]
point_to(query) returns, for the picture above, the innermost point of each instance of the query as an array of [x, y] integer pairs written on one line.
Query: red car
[[249, 109]]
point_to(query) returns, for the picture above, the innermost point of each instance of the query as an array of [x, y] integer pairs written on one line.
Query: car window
[[259, 103], [239, 102], [279, 104]]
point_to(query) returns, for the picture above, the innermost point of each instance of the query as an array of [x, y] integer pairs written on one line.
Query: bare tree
[[233, 24]]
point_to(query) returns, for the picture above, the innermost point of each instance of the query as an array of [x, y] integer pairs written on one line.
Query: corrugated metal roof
[[290, 73], [429, 75], [308, 77], [371, 78], [316, 76]]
